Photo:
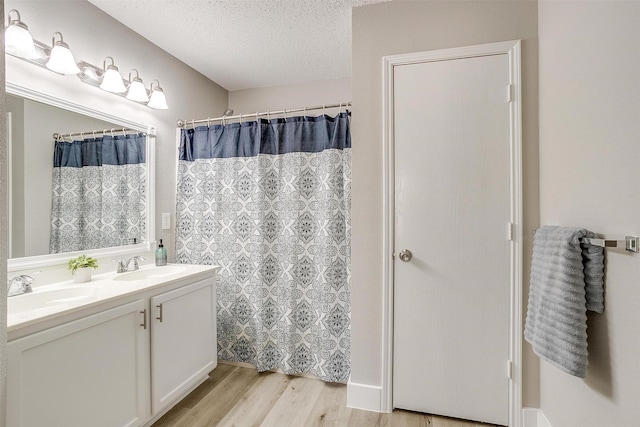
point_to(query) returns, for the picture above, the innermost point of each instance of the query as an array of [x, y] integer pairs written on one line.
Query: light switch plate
[[166, 221]]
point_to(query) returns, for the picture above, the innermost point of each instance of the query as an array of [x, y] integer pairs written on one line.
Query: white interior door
[[452, 210]]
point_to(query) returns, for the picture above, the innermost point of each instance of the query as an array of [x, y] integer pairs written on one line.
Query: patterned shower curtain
[[269, 201], [99, 197]]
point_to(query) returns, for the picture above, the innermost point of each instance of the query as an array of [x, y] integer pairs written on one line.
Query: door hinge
[[509, 92], [510, 369], [511, 231]]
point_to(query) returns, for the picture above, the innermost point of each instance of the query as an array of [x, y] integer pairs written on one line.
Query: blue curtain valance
[[107, 150], [276, 136]]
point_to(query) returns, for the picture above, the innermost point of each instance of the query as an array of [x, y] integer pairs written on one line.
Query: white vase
[[82, 275]]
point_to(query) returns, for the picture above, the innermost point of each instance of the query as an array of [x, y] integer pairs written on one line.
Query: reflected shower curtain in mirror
[[99, 196], [269, 201]]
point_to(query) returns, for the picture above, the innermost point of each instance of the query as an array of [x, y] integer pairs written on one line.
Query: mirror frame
[[15, 264]]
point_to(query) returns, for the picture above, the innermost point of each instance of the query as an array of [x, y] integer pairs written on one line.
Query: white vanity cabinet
[[89, 372], [122, 363], [183, 341]]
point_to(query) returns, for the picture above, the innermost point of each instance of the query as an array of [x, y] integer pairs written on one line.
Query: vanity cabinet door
[[89, 372], [183, 341]]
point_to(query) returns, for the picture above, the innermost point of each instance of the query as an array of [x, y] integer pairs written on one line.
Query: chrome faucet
[[19, 285], [123, 266]]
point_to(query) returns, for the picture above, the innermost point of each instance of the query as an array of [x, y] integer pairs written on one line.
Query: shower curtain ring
[[208, 121], [240, 118], [339, 108], [193, 123], [94, 134], [284, 111], [323, 113], [82, 136], [124, 132]]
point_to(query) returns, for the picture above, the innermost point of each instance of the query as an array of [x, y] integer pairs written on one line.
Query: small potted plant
[[80, 268]]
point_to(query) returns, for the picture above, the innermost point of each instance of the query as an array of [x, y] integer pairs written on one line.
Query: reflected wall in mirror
[[78, 193]]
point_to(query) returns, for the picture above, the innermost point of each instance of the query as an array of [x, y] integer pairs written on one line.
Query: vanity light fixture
[[61, 59], [137, 92], [158, 100], [111, 80], [17, 38]]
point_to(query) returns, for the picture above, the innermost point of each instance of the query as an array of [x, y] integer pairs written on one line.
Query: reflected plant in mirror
[[85, 189]]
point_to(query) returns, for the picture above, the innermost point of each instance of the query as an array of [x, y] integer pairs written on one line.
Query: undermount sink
[[149, 273], [47, 298]]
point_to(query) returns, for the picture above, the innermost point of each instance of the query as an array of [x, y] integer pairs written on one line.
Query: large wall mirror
[[89, 190]]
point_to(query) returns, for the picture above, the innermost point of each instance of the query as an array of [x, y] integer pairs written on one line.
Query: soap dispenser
[[161, 255]]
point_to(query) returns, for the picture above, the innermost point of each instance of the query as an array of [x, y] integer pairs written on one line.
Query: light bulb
[[112, 80], [18, 40], [61, 59], [158, 100], [137, 91]]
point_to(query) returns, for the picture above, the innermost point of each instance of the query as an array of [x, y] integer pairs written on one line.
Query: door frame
[[513, 231]]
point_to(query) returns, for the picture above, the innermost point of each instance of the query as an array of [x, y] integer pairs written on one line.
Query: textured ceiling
[[243, 44]]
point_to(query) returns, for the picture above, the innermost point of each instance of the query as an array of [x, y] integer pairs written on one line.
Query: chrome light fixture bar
[[59, 59]]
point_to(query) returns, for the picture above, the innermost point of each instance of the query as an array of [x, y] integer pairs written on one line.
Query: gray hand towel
[[567, 279]]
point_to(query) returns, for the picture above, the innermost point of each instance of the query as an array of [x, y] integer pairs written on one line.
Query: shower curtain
[[99, 197], [269, 201]]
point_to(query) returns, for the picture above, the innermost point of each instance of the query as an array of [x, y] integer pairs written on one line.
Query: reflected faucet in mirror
[[19, 285]]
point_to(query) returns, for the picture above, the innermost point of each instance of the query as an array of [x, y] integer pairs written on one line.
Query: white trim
[[511, 48], [16, 264], [365, 397], [534, 417], [9, 139], [25, 92]]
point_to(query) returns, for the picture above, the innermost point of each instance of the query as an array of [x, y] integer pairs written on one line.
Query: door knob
[[405, 255]]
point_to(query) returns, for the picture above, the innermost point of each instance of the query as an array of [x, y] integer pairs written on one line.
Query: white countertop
[[103, 290]]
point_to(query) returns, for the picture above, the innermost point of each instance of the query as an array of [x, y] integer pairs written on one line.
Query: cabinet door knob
[[144, 318], [159, 313]]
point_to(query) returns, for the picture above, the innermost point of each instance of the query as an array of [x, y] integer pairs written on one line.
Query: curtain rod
[[124, 131], [184, 123]]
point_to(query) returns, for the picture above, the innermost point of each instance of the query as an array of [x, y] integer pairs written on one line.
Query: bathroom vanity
[[120, 350]]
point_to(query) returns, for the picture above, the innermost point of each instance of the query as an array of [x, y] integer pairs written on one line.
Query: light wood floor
[[237, 396]]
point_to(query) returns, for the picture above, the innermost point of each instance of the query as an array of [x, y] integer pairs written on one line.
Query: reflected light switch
[[166, 221]]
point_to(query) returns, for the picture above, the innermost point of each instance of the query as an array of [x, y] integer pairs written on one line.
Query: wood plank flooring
[[242, 397]]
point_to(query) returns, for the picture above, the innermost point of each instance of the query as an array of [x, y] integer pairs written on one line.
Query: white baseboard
[[534, 417], [363, 396]]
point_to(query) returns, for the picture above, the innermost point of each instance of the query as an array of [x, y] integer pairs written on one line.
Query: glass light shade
[[112, 81], [158, 100], [61, 60], [18, 41], [137, 91]]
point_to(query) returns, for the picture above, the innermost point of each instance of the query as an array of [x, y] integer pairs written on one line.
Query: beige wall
[[589, 158], [295, 95], [412, 26], [92, 35]]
